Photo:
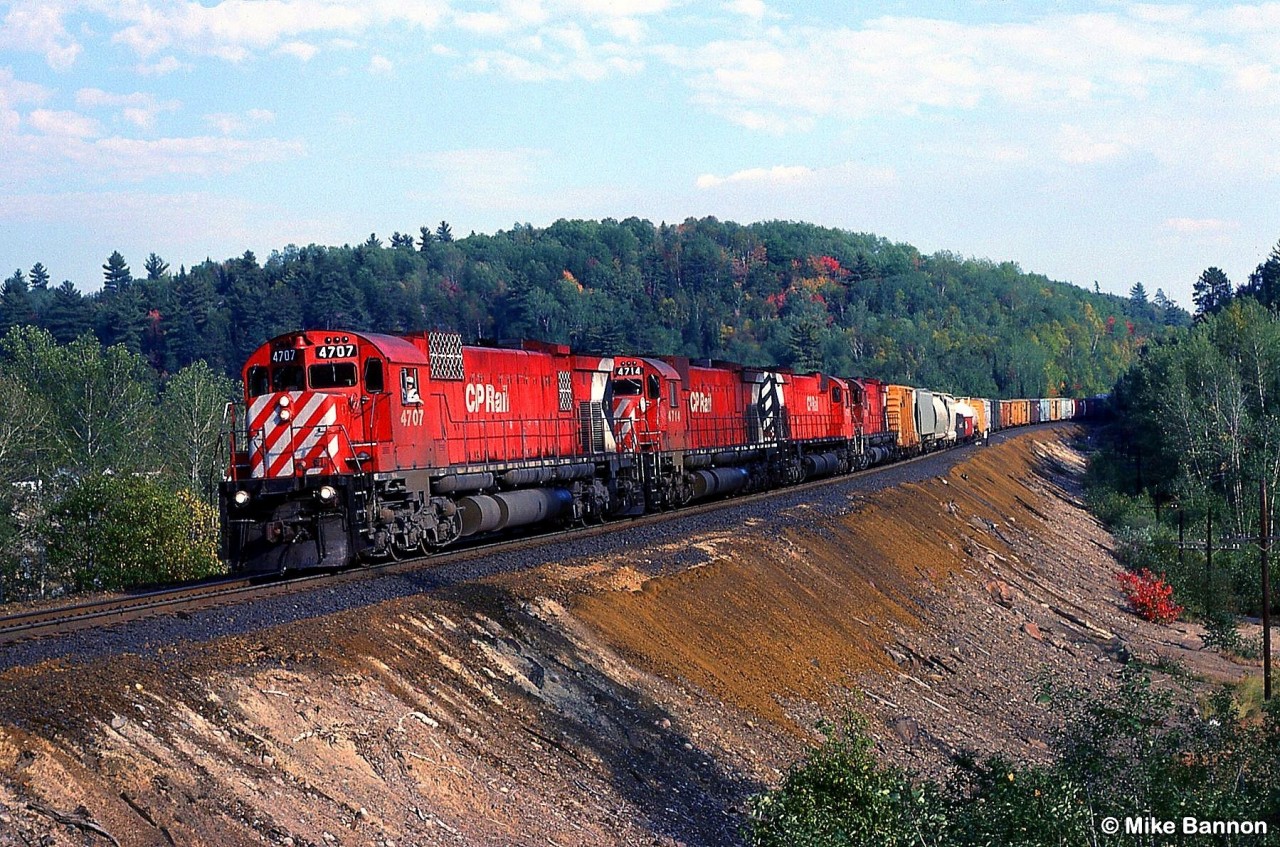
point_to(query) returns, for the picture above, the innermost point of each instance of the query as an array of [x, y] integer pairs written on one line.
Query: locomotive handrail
[[537, 438]]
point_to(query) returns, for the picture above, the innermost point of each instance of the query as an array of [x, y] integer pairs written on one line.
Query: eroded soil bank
[[638, 698]]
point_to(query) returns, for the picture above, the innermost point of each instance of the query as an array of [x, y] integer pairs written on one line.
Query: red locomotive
[[360, 444]]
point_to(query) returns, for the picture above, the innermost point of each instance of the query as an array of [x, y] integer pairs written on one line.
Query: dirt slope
[[636, 699]]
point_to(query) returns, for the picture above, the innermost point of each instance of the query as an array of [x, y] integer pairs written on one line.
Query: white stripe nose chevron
[[284, 444]]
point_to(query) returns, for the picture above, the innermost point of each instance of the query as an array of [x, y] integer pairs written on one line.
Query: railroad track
[[59, 620]]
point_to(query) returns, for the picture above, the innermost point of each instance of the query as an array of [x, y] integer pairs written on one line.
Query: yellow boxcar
[[979, 407], [900, 412]]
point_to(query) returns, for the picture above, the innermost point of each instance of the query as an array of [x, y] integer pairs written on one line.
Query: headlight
[[327, 493], [283, 401], [241, 497], [285, 414]]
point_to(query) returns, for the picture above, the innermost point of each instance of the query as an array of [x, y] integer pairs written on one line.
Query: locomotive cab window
[[675, 394], [373, 382], [287, 378], [837, 396], [333, 375], [655, 387], [627, 387], [259, 381]]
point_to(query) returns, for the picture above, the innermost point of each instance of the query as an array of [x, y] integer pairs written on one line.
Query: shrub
[[113, 532], [1222, 632], [1150, 596], [1130, 751], [840, 795]]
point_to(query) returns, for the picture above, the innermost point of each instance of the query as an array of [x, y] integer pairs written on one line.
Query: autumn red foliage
[[1150, 596]]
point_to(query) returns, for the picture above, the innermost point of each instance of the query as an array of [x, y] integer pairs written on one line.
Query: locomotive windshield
[[259, 381], [287, 378], [627, 388], [279, 378], [333, 375]]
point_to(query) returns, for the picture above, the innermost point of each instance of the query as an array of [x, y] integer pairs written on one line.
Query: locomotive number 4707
[[411, 417], [336, 351]]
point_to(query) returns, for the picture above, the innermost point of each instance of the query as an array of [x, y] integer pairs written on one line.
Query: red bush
[[1149, 595]]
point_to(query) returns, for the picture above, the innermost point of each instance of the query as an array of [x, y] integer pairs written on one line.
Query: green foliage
[[190, 421], [1133, 751], [1198, 429], [94, 405], [83, 422], [112, 532], [768, 293], [1222, 632], [840, 795]]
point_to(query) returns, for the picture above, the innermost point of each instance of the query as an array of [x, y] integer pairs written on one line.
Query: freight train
[[355, 446]]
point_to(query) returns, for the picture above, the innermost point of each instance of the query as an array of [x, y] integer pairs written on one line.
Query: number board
[[285, 355], [629, 369], [336, 351]]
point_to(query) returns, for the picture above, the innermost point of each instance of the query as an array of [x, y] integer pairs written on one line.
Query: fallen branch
[[72, 820]]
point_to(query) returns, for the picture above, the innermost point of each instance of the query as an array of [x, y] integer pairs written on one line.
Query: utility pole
[[1182, 525], [1208, 561], [1264, 536]]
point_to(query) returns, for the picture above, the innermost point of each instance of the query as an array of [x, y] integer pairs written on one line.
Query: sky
[[1108, 142]]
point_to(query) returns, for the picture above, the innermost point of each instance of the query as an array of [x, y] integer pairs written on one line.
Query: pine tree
[[1264, 282], [116, 275], [39, 277], [15, 302], [444, 233], [68, 315], [1211, 292], [156, 267]]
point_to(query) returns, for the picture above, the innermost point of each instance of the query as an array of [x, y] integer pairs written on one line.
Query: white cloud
[[238, 123], [236, 29], [300, 50], [753, 9], [791, 179], [64, 123], [380, 65], [484, 23], [487, 178], [562, 52], [1077, 146], [612, 8], [1200, 226], [138, 108], [37, 25], [161, 67], [14, 91], [902, 65], [776, 175], [67, 145]]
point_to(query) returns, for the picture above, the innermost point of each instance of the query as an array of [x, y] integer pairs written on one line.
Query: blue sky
[[1109, 141]]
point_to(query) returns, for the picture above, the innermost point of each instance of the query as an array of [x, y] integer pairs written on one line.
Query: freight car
[[360, 445]]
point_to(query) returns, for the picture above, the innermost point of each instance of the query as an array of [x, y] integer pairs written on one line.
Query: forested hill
[[767, 293]]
